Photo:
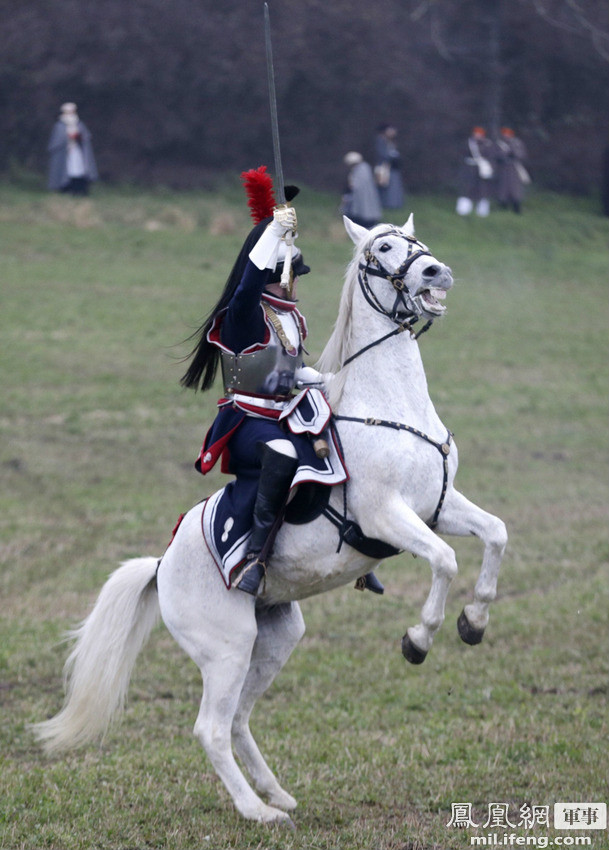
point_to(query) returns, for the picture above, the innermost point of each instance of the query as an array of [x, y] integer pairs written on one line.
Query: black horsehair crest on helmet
[[203, 366]]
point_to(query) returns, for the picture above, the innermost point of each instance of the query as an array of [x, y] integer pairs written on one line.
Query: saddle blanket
[[227, 515]]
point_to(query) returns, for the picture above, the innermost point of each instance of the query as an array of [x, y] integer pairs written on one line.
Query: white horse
[[402, 463]]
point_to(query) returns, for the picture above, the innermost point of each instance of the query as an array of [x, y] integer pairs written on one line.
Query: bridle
[[401, 314]]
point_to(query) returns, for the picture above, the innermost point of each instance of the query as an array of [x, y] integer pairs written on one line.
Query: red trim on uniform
[[175, 529], [208, 456], [279, 303], [213, 336], [225, 461], [259, 411]]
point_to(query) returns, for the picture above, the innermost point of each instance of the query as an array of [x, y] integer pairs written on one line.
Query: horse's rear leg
[[280, 628], [217, 628], [223, 679], [463, 518]]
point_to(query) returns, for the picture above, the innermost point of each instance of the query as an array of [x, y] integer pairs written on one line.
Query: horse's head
[[398, 274]]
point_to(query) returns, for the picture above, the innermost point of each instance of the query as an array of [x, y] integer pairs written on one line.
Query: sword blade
[[279, 190]]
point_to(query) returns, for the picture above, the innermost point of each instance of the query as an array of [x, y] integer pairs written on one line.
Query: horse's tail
[[98, 670]]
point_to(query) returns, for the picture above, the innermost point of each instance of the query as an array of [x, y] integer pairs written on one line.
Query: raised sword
[[279, 189]]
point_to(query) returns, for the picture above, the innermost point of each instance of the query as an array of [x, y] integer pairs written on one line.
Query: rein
[[443, 448], [405, 319], [407, 326]]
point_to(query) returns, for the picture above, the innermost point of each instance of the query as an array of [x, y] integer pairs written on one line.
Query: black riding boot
[[369, 582], [275, 478], [373, 584]]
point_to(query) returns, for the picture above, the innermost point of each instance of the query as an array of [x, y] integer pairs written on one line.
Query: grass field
[[97, 443]]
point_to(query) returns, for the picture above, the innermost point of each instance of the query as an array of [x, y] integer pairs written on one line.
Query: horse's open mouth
[[429, 300]]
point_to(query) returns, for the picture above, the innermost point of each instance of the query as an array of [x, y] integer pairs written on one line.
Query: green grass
[[97, 442]]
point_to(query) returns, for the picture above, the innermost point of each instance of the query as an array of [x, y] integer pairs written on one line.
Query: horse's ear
[[355, 231], [409, 226]]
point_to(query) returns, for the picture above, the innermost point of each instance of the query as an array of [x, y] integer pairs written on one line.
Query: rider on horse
[[256, 333]]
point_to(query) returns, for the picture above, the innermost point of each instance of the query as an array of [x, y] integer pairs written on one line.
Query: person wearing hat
[[256, 333], [512, 176], [477, 173], [361, 202], [72, 164]]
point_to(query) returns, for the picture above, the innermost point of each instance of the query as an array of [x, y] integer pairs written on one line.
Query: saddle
[[227, 514]]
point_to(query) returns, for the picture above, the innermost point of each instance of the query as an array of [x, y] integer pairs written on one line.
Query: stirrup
[[250, 576], [369, 582]]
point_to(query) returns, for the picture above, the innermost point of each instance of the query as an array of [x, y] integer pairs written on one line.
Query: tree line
[[176, 92]]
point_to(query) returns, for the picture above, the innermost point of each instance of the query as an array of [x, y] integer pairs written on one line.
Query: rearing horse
[[402, 462]]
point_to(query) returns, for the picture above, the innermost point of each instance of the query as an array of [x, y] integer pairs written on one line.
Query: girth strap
[[443, 448], [350, 532]]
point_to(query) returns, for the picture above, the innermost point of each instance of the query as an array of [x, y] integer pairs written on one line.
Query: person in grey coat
[[512, 176], [387, 167], [72, 164], [361, 202]]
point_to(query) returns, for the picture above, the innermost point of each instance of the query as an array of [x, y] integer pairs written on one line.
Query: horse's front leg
[[463, 518], [399, 525]]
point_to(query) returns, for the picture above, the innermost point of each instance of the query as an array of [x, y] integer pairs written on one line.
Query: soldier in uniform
[[255, 332]]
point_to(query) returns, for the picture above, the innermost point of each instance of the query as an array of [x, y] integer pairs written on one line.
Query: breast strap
[[443, 448]]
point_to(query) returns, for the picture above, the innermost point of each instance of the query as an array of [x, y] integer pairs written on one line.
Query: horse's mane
[[338, 348]]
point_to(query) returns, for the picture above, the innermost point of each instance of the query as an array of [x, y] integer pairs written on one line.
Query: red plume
[[260, 195]]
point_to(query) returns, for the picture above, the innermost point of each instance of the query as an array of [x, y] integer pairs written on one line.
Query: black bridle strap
[[443, 448], [397, 281], [406, 326], [400, 328], [396, 277]]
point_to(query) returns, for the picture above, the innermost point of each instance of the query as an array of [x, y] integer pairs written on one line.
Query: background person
[[512, 176], [387, 167], [72, 164], [361, 202], [476, 174]]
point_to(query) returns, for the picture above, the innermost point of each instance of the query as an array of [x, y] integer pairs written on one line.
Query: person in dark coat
[[361, 202], [476, 174], [512, 176], [387, 167], [72, 164], [256, 332]]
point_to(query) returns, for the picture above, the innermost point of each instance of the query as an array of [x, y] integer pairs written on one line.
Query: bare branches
[[572, 16], [569, 15]]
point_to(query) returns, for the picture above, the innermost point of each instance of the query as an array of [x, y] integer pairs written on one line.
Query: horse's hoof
[[282, 800], [411, 652], [285, 823], [468, 633]]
